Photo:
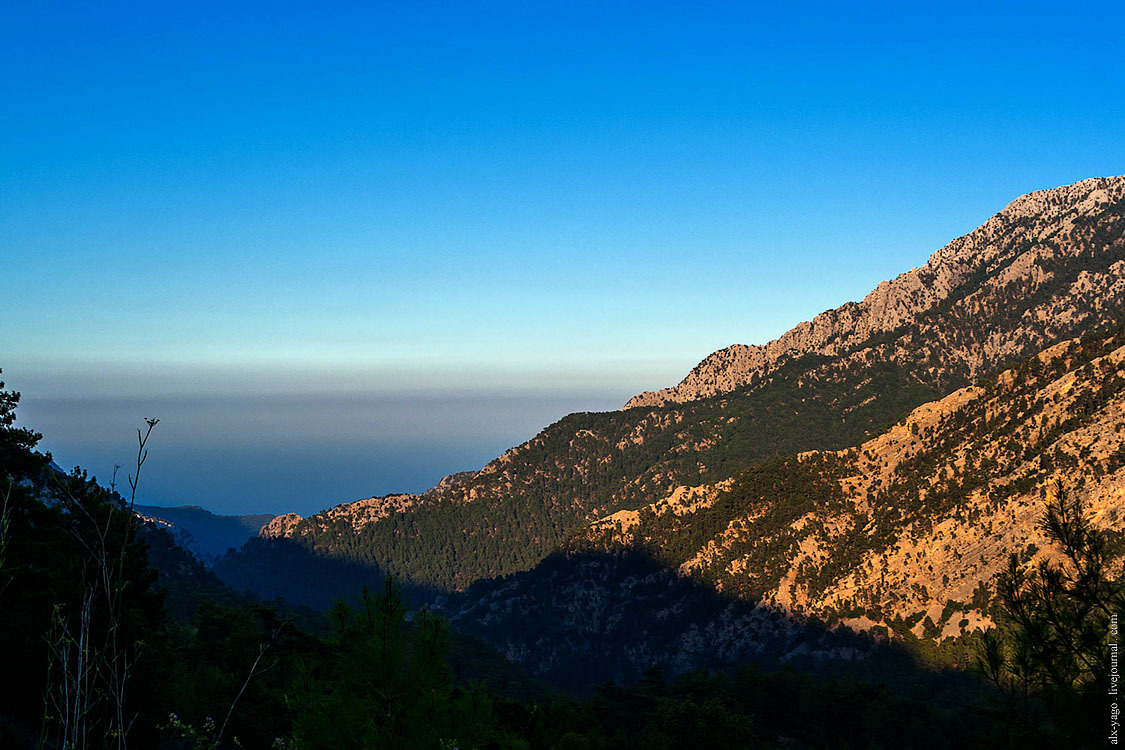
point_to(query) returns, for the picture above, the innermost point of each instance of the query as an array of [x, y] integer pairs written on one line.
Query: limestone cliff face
[[1010, 248]]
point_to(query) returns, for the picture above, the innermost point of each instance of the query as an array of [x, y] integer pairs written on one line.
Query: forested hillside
[[906, 534]]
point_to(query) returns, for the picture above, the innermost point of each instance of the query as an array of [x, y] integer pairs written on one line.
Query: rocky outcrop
[[280, 527], [371, 509], [1010, 247], [449, 481], [357, 515]]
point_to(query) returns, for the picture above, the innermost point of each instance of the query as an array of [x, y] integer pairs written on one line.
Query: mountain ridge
[[1050, 269]]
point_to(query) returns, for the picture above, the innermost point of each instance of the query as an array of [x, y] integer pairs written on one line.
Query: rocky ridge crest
[[357, 514], [1024, 225]]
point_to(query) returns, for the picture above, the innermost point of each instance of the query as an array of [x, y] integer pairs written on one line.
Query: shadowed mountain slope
[[205, 533], [904, 535]]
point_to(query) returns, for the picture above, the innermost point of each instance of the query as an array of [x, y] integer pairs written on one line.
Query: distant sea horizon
[[239, 455]]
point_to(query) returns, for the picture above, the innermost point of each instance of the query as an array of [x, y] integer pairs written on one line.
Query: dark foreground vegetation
[[111, 636]]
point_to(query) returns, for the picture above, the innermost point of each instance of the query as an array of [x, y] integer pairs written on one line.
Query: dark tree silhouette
[[1050, 658]]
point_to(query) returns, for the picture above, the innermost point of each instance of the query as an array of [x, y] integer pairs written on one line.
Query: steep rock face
[[1009, 249]]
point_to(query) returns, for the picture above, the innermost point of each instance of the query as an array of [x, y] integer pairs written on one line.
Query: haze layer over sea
[[293, 452]]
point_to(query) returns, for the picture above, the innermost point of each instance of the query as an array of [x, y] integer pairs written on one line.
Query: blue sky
[[459, 200]]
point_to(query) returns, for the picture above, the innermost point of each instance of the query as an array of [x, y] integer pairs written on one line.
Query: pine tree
[[1052, 651]]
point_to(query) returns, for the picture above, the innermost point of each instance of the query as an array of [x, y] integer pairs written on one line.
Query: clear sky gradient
[[554, 205]]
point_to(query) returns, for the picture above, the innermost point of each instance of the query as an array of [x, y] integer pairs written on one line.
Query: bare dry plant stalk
[[4, 525], [81, 672], [262, 649]]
